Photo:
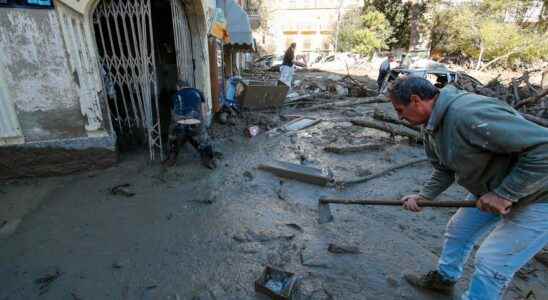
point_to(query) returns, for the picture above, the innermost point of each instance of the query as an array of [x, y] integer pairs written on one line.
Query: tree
[[493, 30], [350, 23], [364, 33], [398, 14]]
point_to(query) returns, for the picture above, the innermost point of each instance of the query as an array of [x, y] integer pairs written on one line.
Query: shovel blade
[[324, 211]]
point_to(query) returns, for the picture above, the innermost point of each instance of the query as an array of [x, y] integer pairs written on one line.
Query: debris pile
[[333, 86], [530, 100]]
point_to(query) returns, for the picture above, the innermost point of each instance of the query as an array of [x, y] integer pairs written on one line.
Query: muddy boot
[[209, 162], [431, 281], [171, 160], [208, 157]]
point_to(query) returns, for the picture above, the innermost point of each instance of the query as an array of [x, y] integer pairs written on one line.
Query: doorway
[[142, 53]]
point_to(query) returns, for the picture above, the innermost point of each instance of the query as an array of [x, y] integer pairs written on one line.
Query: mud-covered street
[[187, 232]]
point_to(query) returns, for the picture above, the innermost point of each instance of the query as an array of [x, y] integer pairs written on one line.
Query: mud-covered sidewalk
[[190, 233]]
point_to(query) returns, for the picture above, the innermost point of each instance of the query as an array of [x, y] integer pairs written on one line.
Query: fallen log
[[353, 148], [531, 100], [538, 120], [379, 115], [388, 127], [381, 173], [347, 103]]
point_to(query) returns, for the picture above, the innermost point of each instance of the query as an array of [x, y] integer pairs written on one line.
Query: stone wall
[[49, 95]]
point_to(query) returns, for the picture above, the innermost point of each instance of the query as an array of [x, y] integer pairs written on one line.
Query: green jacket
[[486, 146]]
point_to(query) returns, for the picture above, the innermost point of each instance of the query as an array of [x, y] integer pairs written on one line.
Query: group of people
[[481, 143]]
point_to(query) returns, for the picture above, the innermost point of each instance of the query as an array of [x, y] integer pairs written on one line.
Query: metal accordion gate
[[183, 43], [124, 37]]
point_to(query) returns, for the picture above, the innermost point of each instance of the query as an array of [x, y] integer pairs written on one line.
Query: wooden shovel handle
[[423, 203]]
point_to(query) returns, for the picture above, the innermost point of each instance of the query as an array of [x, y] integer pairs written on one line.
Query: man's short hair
[[182, 83], [402, 89]]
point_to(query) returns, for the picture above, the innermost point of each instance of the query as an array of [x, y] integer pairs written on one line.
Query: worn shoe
[[433, 280], [209, 163], [171, 160]]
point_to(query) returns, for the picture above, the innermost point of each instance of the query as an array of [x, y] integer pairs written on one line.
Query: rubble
[[530, 100], [45, 281], [343, 249], [306, 174], [353, 148], [277, 284], [252, 131], [7, 228], [122, 190], [332, 86], [261, 236]]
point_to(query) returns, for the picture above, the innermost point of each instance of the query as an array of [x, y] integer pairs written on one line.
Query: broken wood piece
[[347, 103], [294, 125], [515, 84], [538, 120], [343, 249], [297, 98], [45, 281], [531, 100], [388, 127], [122, 190], [306, 174], [8, 227], [381, 173], [353, 148], [301, 123], [379, 115]]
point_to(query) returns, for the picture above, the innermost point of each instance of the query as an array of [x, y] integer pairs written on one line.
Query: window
[[307, 44], [292, 4]]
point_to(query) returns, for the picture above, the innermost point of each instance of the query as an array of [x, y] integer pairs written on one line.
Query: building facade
[[77, 77], [312, 24]]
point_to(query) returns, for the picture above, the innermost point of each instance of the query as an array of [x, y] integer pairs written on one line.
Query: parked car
[[439, 76]]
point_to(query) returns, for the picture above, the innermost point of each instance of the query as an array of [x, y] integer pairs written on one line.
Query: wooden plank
[[353, 148], [298, 172]]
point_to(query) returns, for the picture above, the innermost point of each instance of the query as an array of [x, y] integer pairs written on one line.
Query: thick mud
[[192, 233]]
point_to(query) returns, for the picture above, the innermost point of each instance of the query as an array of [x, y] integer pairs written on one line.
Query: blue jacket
[[188, 103]]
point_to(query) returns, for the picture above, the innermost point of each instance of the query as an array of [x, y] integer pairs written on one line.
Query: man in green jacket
[[502, 160]]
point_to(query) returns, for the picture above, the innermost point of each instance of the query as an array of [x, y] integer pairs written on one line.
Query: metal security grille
[[126, 54], [183, 42]]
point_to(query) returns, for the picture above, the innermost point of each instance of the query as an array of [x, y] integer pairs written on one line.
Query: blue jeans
[[511, 242]]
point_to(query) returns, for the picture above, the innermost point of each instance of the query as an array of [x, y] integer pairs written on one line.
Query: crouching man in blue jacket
[[187, 125]]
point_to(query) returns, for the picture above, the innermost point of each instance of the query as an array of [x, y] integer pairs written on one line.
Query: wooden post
[[214, 74], [544, 82]]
